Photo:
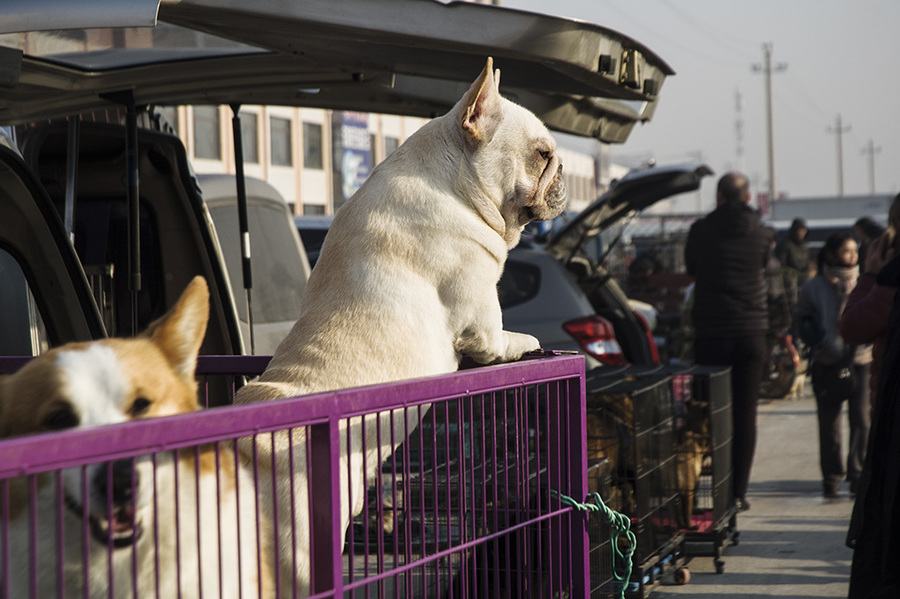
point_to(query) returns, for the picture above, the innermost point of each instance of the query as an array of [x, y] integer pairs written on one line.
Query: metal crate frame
[[507, 519]]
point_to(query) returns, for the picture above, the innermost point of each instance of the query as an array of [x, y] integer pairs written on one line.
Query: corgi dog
[[111, 523]]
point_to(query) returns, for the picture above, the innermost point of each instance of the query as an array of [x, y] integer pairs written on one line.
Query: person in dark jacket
[[874, 533], [793, 253], [727, 252], [840, 370], [779, 306]]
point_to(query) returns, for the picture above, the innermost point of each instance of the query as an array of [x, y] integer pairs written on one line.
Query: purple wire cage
[[464, 506]]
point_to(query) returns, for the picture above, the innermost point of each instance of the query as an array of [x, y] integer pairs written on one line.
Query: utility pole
[[839, 131], [766, 68], [739, 130], [869, 152]]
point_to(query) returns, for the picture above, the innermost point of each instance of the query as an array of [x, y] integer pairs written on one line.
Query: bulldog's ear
[[481, 112]]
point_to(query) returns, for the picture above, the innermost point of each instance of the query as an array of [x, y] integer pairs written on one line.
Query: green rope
[[621, 526]]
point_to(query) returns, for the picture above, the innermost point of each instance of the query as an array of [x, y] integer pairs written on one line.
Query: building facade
[[317, 158]]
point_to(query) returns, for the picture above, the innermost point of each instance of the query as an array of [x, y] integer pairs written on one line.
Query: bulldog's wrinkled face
[[514, 156], [541, 193], [530, 167]]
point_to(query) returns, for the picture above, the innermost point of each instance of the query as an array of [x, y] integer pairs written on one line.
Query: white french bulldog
[[407, 282]]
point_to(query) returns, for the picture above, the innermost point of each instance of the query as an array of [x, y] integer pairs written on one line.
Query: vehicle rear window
[[520, 282], [22, 331], [312, 240]]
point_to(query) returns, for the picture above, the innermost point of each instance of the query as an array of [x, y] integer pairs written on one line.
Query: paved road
[[791, 541]]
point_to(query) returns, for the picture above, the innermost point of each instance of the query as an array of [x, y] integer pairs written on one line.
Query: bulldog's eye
[[545, 154], [139, 407], [61, 419]]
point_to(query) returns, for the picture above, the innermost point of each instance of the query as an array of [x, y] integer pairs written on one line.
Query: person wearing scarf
[[840, 371]]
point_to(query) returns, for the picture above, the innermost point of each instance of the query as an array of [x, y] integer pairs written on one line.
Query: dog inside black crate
[[693, 445]]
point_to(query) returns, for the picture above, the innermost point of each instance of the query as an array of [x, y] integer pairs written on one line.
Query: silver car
[[557, 289]]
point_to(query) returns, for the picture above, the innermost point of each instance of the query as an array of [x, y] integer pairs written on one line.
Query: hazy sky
[[841, 59]]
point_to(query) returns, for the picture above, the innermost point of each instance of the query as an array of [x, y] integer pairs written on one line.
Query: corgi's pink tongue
[[123, 520]]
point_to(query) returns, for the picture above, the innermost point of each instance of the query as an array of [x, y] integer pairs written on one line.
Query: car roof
[[638, 189], [221, 189], [412, 57]]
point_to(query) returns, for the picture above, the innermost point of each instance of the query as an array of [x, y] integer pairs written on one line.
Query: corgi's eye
[[61, 419], [545, 154], [139, 407]]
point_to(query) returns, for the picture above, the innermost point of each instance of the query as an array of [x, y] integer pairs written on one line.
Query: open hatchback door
[[125, 187]]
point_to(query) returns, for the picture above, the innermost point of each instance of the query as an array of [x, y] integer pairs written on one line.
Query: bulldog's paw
[[500, 348], [517, 345]]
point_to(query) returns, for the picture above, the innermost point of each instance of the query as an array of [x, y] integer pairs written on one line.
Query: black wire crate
[[704, 454], [631, 423]]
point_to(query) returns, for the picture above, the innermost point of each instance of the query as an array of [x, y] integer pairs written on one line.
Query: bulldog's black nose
[[123, 478]]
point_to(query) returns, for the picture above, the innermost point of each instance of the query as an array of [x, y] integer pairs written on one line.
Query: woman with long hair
[[840, 371]]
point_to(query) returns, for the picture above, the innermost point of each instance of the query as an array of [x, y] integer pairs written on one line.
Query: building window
[[313, 209], [312, 145], [282, 149], [207, 143], [390, 144], [250, 137]]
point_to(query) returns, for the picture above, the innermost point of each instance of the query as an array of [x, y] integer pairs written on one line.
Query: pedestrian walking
[[840, 371], [727, 252]]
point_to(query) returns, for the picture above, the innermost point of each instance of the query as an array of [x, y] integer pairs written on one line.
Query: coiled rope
[[621, 527]]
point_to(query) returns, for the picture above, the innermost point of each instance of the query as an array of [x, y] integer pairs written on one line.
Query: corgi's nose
[[119, 478]]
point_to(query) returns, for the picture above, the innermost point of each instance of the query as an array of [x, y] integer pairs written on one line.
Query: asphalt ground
[[791, 541]]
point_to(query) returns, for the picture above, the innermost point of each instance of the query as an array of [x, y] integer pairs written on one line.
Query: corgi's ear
[[179, 333]]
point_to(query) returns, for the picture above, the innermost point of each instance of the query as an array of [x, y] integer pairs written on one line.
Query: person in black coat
[[874, 533], [793, 252], [727, 252]]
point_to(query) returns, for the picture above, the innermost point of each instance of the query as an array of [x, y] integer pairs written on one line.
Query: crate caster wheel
[[682, 575], [720, 566]]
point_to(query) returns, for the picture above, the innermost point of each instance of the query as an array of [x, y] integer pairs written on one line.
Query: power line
[[723, 40], [662, 36]]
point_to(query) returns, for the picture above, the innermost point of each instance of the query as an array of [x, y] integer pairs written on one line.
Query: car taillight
[[597, 338], [654, 349]]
